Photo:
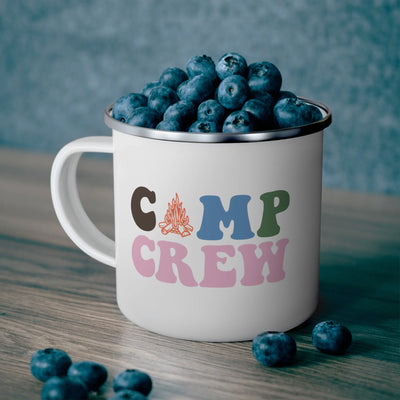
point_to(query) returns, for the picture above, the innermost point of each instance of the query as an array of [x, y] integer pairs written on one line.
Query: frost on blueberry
[[233, 92], [196, 89], [161, 97], [238, 122], [260, 112], [201, 65], [204, 126], [173, 77], [125, 105], [331, 337], [291, 111], [144, 116], [149, 86], [171, 125], [264, 77], [274, 349], [183, 113], [211, 110], [47, 363], [133, 379], [231, 64], [64, 388], [92, 374]]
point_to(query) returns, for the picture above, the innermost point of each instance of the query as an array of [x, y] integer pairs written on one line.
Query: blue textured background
[[62, 62]]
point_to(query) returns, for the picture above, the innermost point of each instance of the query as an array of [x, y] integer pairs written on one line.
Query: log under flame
[[175, 220]]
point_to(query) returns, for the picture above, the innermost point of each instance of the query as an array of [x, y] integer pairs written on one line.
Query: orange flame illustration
[[176, 220]]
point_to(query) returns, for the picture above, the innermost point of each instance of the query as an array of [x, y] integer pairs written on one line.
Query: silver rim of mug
[[219, 137]]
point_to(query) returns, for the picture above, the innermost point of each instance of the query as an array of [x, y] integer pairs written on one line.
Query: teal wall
[[62, 62]]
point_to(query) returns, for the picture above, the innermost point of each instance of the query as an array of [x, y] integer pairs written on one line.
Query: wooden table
[[53, 295]]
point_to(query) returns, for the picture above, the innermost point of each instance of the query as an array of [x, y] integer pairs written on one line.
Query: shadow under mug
[[217, 236]]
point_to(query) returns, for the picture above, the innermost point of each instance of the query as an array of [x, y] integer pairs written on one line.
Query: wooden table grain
[[53, 295]]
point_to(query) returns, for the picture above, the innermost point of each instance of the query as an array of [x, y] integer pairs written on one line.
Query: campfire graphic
[[175, 220]]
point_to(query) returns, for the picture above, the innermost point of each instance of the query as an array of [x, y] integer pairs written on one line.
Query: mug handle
[[67, 203]]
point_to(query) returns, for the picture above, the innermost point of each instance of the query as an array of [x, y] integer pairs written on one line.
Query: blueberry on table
[[238, 122], [132, 379], [46, 363], [64, 388], [211, 110], [264, 77], [331, 337], [144, 116], [231, 64], [233, 92], [201, 65], [161, 97], [92, 374], [290, 112], [184, 112], [261, 113], [205, 126], [128, 395], [196, 89], [125, 105], [173, 77], [274, 349]]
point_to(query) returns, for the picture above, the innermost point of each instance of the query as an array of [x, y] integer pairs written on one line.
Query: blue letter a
[[214, 213]]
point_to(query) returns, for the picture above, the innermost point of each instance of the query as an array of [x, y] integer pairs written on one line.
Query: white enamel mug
[[217, 236]]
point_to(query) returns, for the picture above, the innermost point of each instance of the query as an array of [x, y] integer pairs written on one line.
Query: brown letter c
[[145, 221]]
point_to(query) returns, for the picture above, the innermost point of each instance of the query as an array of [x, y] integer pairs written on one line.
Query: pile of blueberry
[[229, 96], [65, 380], [275, 349]]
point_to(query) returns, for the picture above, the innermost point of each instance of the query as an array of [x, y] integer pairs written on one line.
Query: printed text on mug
[[171, 267]]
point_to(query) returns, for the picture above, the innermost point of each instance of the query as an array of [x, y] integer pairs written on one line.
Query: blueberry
[[92, 374], [201, 65], [47, 363], [290, 112], [205, 126], [169, 125], [274, 349], [233, 92], [64, 388], [196, 89], [283, 94], [128, 395], [261, 113], [267, 98], [331, 337], [149, 86], [211, 110], [173, 77], [231, 64], [124, 106], [238, 121], [144, 116], [183, 111], [264, 77], [161, 97], [133, 379], [315, 112]]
